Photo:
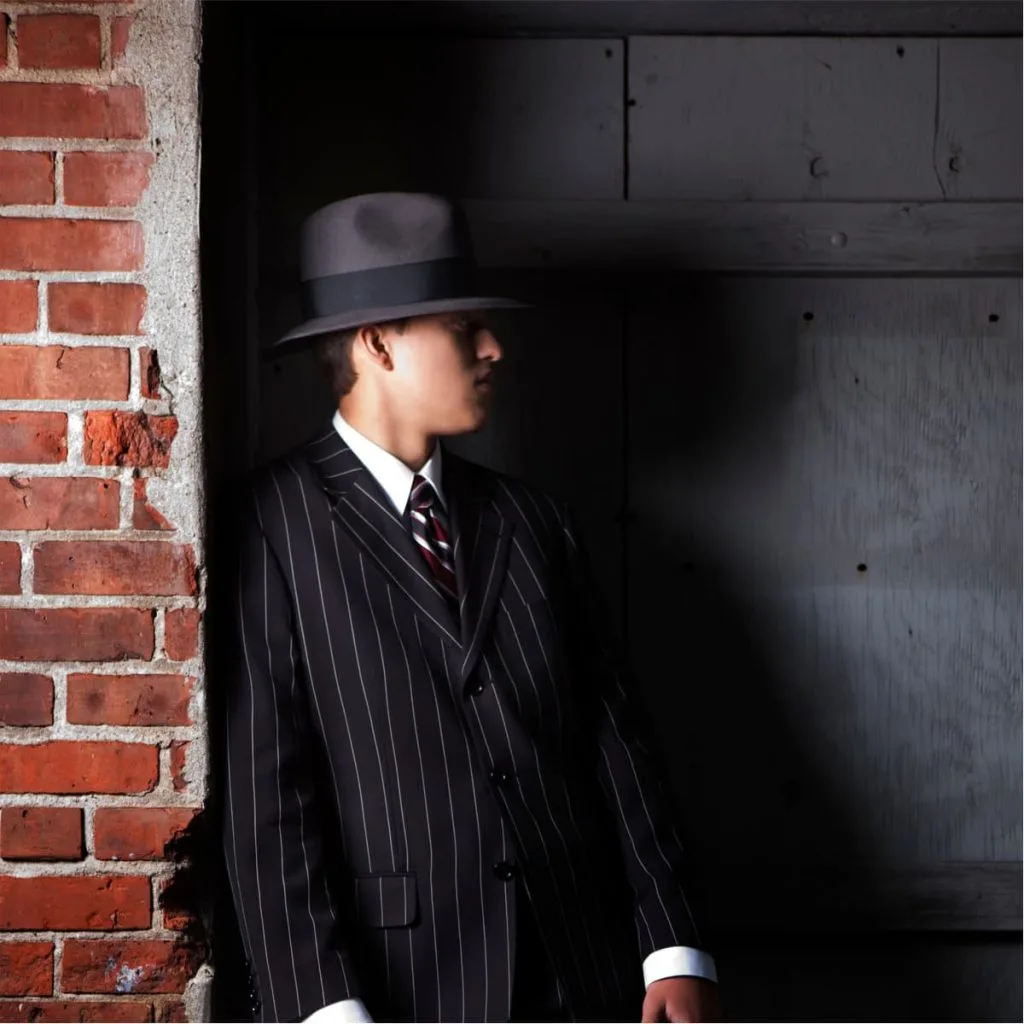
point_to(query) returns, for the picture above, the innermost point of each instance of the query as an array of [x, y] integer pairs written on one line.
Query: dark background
[[774, 363]]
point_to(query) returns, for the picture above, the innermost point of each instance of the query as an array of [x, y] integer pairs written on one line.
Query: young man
[[440, 802]]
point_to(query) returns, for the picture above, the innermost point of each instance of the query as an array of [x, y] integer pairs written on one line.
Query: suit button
[[505, 871], [476, 689], [500, 778]]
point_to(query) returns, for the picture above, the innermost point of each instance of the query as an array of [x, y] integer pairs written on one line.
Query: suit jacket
[[396, 770]]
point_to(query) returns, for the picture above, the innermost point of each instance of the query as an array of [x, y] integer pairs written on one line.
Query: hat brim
[[307, 333]]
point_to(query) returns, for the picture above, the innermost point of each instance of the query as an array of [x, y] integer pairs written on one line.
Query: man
[[440, 804]]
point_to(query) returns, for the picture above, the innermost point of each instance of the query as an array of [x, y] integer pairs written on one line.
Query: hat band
[[402, 285]]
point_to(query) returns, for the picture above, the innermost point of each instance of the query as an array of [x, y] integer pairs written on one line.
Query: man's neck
[[411, 447]]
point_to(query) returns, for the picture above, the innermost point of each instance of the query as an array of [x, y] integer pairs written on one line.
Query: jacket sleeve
[[628, 771], [273, 846]]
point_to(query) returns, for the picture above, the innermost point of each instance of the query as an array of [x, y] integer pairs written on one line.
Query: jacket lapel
[[482, 540], [370, 519]]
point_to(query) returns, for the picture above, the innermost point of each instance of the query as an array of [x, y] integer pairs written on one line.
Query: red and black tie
[[430, 531]]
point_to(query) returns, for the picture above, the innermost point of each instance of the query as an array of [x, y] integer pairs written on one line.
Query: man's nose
[[487, 347]]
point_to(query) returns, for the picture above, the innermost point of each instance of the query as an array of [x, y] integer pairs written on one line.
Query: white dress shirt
[[396, 478]]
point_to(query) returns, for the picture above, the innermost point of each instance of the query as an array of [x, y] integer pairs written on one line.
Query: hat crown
[[381, 229]]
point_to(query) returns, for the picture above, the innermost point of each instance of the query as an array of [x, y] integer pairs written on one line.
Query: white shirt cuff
[[348, 1011], [679, 962]]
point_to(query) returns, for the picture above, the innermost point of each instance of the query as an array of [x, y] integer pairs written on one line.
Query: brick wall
[[101, 584]]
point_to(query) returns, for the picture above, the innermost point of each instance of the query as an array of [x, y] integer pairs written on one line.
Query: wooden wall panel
[[824, 590], [667, 235], [978, 149], [770, 118]]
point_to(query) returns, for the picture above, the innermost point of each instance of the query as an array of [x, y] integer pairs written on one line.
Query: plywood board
[[824, 593], [978, 148], [805, 236], [720, 118]]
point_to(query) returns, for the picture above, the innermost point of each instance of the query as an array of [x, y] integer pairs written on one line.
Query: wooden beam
[[604, 18], [941, 237]]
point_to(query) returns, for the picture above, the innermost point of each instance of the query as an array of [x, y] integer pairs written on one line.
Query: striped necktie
[[430, 531]]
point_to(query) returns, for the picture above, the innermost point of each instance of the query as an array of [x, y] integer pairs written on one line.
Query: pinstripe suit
[[397, 770]]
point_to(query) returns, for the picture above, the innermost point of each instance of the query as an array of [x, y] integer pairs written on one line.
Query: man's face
[[442, 372]]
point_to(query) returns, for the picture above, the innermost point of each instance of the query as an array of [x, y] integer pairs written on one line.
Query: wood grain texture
[[782, 119], [978, 147], [828, 525], [668, 235]]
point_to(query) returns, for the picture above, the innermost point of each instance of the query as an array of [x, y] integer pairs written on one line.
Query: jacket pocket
[[386, 900]]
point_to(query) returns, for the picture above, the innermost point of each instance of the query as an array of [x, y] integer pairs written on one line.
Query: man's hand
[[681, 999]]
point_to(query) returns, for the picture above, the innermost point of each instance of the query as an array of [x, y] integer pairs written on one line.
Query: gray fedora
[[384, 256]]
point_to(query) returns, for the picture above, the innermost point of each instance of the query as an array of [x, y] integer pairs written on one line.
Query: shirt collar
[[393, 475]]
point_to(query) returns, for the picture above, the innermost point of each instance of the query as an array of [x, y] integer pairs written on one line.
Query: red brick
[[59, 41], [26, 698], [114, 567], [78, 766], [120, 33], [137, 833], [40, 437], [57, 110], [98, 965], [149, 372], [25, 177], [179, 764], [129, 700], [181, 633], [76, 634], [96, 308], [129, 439], [26, 968], [41, 833], [106, 179], [28, 243], [175, 918], [59, 371], [75, 1011], [173, 1012], [59, 503], [4, 22], [10, 567], [74, 903], [144, 515], [19, 306]]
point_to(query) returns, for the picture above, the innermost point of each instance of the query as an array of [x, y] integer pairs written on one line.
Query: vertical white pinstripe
[[509, 949], [638, 788], [302, 633], [451, 808], [480, 849], [598, 972], [647, 813], [330, 650], [302, 639], [362, 686], [536, 824], [252, 747], [280, 802], [302, 839], [408, 673], [525, 518]]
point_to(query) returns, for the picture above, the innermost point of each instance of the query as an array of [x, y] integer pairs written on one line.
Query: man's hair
[[335, 351]]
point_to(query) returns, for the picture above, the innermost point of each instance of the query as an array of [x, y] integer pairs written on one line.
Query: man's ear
[[374, 345]]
